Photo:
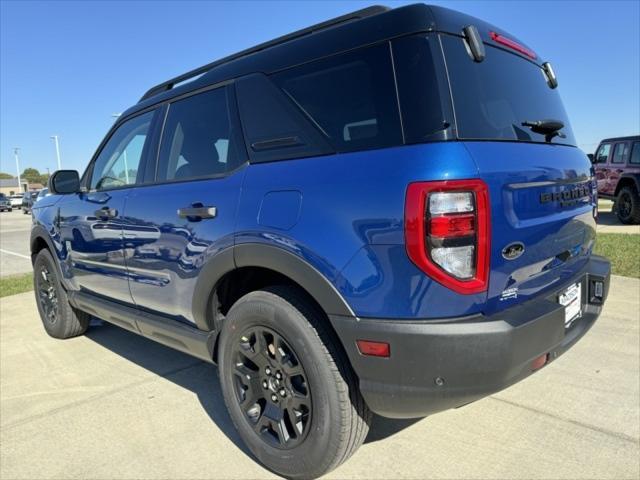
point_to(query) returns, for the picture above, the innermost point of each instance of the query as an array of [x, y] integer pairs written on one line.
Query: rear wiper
[[549, 128]]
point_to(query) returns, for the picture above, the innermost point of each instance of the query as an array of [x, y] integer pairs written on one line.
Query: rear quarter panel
[[344, 215]]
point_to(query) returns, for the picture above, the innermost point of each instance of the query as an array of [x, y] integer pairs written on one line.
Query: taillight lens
[[447, 232]]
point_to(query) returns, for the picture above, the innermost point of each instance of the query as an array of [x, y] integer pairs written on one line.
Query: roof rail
[[169, 84]]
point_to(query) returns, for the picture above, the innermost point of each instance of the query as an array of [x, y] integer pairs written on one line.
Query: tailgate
[[541, 198]]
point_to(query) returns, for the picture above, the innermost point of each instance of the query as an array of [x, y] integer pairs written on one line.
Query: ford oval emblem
[[513, 250]]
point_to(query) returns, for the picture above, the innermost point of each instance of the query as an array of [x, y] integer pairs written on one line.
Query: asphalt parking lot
[[14, 242], [111, 404]]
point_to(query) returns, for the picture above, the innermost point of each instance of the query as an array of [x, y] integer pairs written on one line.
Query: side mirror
[[592, 159], [64, 182]]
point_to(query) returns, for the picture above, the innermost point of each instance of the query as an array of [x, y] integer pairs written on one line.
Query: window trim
[[85, 181]]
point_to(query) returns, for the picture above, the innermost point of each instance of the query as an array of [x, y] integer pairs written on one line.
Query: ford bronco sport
[[382, 213], [617, 164]]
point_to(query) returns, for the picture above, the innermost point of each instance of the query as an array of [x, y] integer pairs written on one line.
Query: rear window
[[351, 97], [492, 98]]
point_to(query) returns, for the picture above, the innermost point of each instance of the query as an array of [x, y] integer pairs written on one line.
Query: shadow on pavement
[[202, 378], [608, 218]]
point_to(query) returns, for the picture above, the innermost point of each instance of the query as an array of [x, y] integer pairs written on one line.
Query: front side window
[[118, 162], [635, 154], [198, 139], [602, 155], [620, 153], [351, 97]]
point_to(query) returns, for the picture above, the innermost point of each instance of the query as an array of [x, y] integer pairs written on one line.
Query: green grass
[[623, 250], [16, 284]]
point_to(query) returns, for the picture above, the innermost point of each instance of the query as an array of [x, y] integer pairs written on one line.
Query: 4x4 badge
[[513, 250]]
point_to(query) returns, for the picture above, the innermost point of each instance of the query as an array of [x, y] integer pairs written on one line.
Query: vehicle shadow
[[608, 218], [199, 377]]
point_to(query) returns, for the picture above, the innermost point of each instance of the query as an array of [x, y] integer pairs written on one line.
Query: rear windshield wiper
[[549, 128]]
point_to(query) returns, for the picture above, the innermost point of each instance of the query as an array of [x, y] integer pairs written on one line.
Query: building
[[9, 186]]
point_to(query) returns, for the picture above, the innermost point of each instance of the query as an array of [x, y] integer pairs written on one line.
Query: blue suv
[[385, 213]]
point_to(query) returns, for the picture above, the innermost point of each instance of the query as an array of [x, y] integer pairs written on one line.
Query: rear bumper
[[436, 365]]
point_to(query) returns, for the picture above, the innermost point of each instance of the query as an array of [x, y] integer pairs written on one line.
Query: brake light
[[447, 232], [512, 44]]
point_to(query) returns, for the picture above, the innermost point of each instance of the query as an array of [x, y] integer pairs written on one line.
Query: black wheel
[[288, 385], [59, 318], [628, 206]]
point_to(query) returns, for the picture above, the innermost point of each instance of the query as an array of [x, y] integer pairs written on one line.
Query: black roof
[[621, 139], [356, 29]]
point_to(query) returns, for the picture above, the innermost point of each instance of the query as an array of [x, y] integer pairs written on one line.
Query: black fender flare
[[272, 258], [635, 177], [38, 232]]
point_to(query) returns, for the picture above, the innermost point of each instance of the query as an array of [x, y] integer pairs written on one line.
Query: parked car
[[341, 223], [617, 166], [28, 200], [5, 203], [16, 200], [43, 193]]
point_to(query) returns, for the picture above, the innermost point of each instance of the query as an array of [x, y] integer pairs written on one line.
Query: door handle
[[197, 212], [619, 170], [105, 213]]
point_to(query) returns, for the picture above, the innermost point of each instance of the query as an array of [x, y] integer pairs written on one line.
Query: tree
[[5, 176], [33, 175]]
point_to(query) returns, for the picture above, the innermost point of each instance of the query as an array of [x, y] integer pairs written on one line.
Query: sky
[[67, 66]]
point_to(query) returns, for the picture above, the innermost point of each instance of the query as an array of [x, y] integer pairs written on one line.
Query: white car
[[16, 201]]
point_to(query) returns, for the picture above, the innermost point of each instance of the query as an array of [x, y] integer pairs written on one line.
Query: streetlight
[[55, 139], [15, 154]]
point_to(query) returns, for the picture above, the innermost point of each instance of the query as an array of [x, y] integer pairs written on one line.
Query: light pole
[[55, 139], [15, 154]]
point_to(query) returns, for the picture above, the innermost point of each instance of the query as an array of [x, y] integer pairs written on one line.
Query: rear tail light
[[447, 232]]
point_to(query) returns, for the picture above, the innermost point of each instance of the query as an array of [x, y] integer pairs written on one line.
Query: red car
[[617, 165]]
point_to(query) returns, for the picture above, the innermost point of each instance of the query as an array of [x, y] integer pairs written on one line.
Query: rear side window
[[602, 155], [198, 139], [635, 154], [351, 97], [620, 153]]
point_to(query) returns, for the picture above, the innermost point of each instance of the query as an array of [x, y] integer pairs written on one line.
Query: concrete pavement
[[111, 404]]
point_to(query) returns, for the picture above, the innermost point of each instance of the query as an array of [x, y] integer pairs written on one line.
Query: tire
[[628, 206], [59, 318], [333, 422]]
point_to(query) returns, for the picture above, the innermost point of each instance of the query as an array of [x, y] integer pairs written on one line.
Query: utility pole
[[55, 139], [15, 154]]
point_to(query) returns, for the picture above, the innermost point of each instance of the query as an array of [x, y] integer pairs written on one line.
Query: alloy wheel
[[625, 205], [271, 387], [47, 295]]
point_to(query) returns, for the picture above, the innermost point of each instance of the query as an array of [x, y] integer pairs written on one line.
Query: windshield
[[494, 97]]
